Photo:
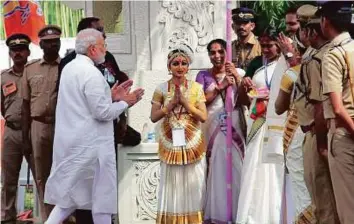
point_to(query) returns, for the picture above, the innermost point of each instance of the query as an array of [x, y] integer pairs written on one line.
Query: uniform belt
[[14, 125], [339, 123], [45, 120], [308, 128]]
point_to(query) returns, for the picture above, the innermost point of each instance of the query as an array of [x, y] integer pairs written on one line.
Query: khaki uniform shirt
[[335, 76], [11, 101], [243, 54], [309, 85], [39, 87], [308, 53], [313, 76], [305, 111]]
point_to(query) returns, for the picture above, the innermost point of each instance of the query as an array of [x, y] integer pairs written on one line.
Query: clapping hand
[[134, 97], [119, 91], [131, 98], [285, 44], [122, 93]]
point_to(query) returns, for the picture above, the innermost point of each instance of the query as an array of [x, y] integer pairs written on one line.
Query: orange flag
[[25, 17]]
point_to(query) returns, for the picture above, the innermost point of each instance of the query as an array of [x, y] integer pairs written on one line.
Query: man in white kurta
[[83, 174]]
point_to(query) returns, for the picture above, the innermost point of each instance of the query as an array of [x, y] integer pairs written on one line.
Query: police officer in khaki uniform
[[309, 105], [12, 153], [246, 47], [38, 108], [337, 78], [307, 92]]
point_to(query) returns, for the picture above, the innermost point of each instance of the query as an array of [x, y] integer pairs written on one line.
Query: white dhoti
[[85, 181]]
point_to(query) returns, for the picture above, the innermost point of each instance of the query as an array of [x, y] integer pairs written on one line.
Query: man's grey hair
[[86, 38]]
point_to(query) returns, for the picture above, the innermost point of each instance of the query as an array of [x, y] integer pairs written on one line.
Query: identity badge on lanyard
[[178, 137], [178, 133], [222, 117], [222, 120]]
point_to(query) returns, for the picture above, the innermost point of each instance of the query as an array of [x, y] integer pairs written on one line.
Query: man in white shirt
[[83, 174]]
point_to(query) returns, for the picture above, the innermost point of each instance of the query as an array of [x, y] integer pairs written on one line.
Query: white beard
[[99, 60]]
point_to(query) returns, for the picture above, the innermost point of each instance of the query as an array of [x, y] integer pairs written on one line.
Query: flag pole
[[228, 108]]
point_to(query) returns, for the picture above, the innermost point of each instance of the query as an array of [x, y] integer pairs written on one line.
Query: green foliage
[[2, 28], [271, 12], [56, 13], [59, 14], [29, 199]]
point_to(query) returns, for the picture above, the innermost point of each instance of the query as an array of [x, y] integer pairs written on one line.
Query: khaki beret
[[49, 32], [306, 12]]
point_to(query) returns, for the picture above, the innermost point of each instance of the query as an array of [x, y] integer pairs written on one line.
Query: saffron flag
[[24, 16]]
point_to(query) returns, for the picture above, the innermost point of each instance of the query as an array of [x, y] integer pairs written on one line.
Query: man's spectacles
[[104, 45]]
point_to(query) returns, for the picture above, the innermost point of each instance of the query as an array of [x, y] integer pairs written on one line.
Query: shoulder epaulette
[[335, 48], [4, 70], [307, 59], [32, 61], [340, 46]]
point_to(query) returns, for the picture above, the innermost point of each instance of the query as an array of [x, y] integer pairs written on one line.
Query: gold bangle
[[164, 110]]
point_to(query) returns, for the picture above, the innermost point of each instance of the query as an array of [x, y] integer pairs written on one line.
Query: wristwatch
[[289, 55]]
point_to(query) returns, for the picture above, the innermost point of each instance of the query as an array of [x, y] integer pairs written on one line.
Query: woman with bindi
[[179, 104]]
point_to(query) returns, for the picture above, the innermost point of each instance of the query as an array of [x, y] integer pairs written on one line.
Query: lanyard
[[223, 96], [181, 108], [267, 81]]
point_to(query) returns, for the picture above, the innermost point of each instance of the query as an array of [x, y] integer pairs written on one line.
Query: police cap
[[334, 8], [49, 32], [18, 40], [243, 15]]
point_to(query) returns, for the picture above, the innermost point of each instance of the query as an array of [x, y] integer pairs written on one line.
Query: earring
[[169, 72]]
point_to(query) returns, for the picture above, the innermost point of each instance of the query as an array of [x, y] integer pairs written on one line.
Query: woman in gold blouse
[[180, 103]]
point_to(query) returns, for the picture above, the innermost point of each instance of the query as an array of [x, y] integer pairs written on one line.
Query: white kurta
[[83, 173]]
